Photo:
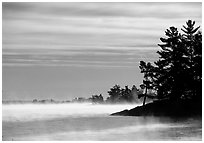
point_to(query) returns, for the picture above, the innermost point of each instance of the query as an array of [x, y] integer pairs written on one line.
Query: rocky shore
[[179, 108]]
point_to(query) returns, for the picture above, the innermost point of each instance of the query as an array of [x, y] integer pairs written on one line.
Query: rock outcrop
[[165, 108]]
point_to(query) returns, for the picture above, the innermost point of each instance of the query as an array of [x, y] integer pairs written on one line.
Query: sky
[[67, 50]]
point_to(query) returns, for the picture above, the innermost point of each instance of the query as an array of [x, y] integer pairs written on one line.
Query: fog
[[29, 122], [133, 132], [32, 112]]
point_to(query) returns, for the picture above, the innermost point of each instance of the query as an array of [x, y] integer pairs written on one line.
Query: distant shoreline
[[67, 102]]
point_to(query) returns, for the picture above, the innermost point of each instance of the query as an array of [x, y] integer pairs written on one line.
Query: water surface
[[28, 122]]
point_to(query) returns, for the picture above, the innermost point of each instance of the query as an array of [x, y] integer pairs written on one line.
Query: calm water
[[91, 122]]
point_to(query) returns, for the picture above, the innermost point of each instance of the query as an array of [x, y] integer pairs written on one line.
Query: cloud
[[79, 58], [88, 33], [157, 10]]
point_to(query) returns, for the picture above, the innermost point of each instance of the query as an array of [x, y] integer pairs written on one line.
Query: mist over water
[[27, 122], [31, 112]]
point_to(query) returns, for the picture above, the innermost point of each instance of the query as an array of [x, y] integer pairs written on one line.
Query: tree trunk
[[145, 96]]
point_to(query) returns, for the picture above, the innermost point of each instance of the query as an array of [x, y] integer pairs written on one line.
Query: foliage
[[126, 95], [178, 72], [147, 84], [118, 94], [97, 99], [114, 93]]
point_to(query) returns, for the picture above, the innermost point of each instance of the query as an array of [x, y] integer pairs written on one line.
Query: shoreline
[[180, 108]]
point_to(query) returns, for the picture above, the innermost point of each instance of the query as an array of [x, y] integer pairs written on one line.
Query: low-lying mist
[[31, 112], [86, 121]]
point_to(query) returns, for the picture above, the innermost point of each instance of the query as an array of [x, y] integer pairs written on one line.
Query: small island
[[175, 79]]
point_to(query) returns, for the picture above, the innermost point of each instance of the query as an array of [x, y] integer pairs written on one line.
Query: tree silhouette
[[114, 93], [126, 95], [192, 40], [170, 66], [118, 94], [97, 98], [178, 72], [147, 84]]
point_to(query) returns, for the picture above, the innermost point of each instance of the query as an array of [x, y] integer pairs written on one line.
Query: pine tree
[[192, 40], [178, 72], [114, 93], [126, 95], [147, 84], [170, 66]]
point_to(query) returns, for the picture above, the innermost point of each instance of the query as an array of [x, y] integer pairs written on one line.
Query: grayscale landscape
[[100, 71]]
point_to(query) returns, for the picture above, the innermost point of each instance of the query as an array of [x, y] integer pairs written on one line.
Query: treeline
[[177, 74], [122, 95], [116, 95]]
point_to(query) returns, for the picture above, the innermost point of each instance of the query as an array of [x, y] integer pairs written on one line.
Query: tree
[[192, 40], [147, 84], [114, 93], [126, 95], [170, 66], [35, 100], [134, 93], [178, 72], [97, 98], [118, 94]]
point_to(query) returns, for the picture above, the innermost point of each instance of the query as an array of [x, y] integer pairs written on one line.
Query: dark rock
[[164, 108], [121, 113]]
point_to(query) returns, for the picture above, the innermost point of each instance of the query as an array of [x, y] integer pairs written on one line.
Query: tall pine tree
[[192, 40], [178, 72]]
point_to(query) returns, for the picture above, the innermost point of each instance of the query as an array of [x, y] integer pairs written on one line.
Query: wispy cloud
[[70, 57], [112, 34], [158, 10]]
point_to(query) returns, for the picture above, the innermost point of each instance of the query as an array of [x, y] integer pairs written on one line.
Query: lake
[[89, 122]]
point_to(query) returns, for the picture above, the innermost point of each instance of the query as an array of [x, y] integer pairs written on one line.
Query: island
[[175, 78]]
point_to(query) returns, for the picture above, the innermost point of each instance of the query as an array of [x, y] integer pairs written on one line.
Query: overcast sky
[[67, 50]]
